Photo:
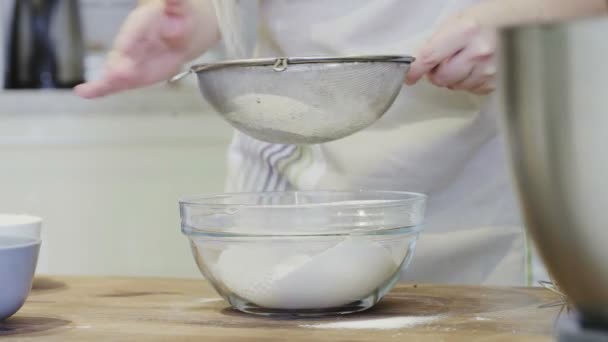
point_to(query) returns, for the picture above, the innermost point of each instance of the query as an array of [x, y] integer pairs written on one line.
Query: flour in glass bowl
[[277, 277]]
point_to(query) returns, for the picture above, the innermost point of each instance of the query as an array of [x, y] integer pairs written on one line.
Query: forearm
[[498, 13]]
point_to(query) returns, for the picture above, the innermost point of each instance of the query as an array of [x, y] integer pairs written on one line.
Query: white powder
[[210, 300], [380, 323], [273, 112], [285, 119], [229, 18], [295, 278]]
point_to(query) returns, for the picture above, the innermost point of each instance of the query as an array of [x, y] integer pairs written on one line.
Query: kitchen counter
[[152, 309], [158, 115]]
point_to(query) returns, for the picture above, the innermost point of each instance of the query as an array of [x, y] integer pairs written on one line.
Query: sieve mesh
[[302, 100]]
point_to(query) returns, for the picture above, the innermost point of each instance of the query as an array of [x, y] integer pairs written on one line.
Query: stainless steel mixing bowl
[[556, 114]]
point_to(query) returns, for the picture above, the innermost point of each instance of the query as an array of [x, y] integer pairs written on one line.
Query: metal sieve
[[302, 100]]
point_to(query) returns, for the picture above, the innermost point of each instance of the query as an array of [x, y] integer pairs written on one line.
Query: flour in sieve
[[277, 113], [277, 277]]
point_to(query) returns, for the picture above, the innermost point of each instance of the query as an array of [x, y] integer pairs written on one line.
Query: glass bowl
[[305, 253]]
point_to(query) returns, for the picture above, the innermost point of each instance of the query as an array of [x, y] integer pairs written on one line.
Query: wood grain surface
[[146, 309]]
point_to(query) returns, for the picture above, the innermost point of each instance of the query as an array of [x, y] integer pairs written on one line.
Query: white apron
[[442, 143]]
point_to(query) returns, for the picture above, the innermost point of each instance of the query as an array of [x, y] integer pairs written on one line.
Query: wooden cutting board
[[145, 309]]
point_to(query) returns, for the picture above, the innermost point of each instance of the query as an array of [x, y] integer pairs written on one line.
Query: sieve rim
[[302, 60]]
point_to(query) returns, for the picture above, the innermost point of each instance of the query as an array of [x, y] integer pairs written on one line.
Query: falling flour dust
[[230, 21]]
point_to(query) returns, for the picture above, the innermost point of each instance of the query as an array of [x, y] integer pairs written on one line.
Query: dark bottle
[[45, 47]]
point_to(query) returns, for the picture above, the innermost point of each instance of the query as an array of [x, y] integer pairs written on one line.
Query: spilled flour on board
[[378, 323], [210, 300]]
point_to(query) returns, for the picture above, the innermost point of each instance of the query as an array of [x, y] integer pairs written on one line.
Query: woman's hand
[[460, 55], [153, 43]]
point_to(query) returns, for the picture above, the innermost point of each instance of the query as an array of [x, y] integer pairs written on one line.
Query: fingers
[[108, 85], [100, 88], [481, 77], [120, 74], [94, 89], [471, 68], [149, 47], [484, 89], [452, 71], [468, 68], [442, 46], [477, 60]]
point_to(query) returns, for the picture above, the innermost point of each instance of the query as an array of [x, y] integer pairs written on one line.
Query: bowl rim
[[21, 242], [18, 220], [195, 200], [222, 235], [275, 61]]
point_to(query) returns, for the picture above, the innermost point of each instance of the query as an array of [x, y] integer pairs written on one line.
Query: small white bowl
[[18, 259], [19, 249], [20, 225]]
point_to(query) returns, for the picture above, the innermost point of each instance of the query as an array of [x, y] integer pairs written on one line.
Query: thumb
[[447, 41], [420, 65]]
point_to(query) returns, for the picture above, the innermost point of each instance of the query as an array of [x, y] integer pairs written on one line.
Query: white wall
[[106, 175]]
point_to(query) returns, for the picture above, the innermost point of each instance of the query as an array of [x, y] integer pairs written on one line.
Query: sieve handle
[[179, 76]]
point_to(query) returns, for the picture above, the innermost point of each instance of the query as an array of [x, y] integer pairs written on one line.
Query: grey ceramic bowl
[[18, 259]]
